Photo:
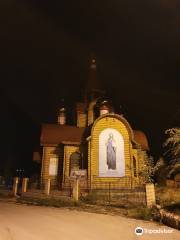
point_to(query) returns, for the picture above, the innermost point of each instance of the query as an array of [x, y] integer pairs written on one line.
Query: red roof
[[56, 134], [141, 138]]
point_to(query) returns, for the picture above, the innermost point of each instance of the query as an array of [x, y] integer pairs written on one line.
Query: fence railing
[[102, 192], [113, 193]]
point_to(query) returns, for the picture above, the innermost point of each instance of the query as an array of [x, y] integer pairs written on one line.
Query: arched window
[[74, 163], [134, 166]]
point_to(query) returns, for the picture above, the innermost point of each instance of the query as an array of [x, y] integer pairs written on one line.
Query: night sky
[[45, 47]]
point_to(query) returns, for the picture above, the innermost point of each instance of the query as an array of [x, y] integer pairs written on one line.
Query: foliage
[[147, 170], [174, 169], [53, 202], [161, 170], [93, 198], [175, 208], [172, 144], [140, 213], [159, 164], [167, 196]]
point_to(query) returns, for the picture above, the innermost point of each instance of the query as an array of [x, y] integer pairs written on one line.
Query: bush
[[167, 196], [53, 202], [140, 213], [175, 208], [90, 198]]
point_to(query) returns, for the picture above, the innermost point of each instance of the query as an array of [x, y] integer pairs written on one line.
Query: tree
[[172, 144], [161, 171], [147, 170], [150, 171]]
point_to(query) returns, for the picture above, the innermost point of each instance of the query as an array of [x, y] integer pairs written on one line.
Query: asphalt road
[[22, 222]]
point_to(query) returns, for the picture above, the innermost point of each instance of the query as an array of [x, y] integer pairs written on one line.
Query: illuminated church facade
[[101, 148]]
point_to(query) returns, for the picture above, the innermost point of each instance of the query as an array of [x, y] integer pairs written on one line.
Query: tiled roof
[[56, 134], [141, 138]]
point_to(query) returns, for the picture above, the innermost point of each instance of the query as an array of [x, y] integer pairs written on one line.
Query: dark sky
[[45, 48]]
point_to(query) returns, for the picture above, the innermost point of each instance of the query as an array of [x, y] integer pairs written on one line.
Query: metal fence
[[111, 193], [114, 194]]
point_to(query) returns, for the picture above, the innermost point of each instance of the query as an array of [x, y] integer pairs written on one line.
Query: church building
[[101, 148]]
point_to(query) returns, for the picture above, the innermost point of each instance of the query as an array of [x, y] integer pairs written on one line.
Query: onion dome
[[104, 105]]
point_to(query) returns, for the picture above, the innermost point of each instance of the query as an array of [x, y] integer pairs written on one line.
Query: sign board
[[79, 173]]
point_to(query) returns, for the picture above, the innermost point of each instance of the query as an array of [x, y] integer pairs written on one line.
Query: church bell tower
[[93, 91]]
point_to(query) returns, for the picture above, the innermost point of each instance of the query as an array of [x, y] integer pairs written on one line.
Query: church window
[[53, 166], [74, 162]]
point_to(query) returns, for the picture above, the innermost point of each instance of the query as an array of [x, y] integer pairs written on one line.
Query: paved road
[[21, 222]]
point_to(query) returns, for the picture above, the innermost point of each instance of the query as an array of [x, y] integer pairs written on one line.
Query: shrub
[[140, 213], [90, 198], [167, 196], [53, 202]]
